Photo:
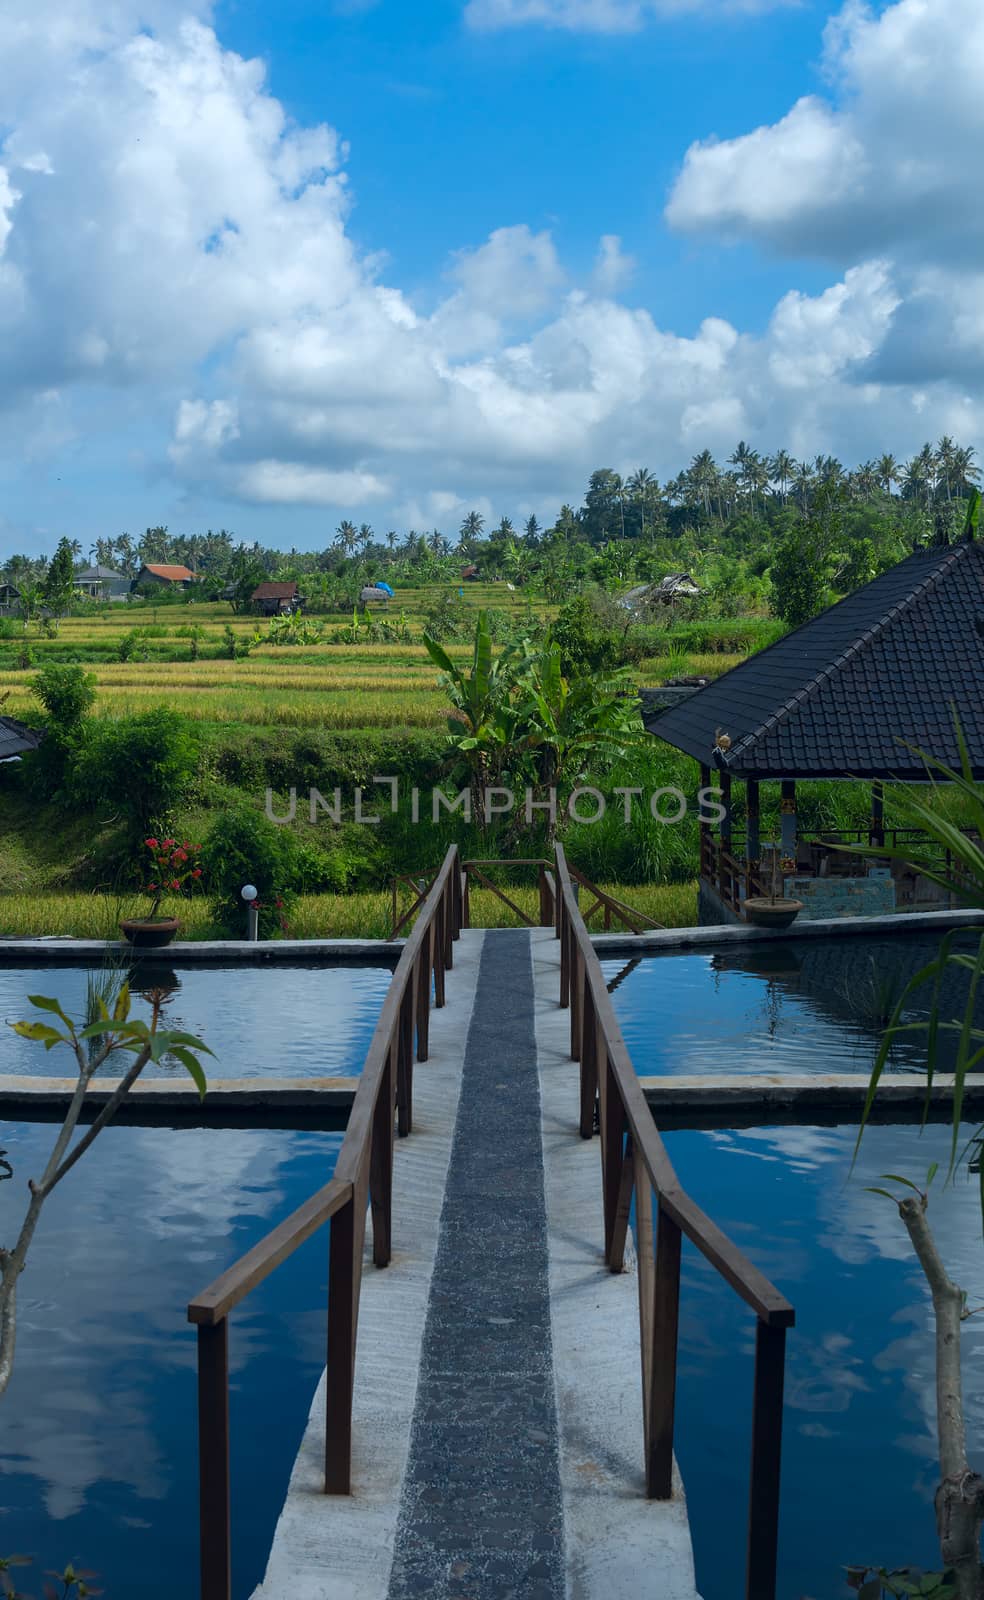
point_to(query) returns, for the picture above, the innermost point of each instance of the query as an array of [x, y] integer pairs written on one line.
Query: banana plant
[[482, 722]]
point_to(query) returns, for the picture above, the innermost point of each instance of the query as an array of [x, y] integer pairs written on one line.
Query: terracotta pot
[[149, 932], [762, 912]]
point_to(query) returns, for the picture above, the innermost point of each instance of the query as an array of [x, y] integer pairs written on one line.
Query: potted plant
[[772, 910], [174, 868]]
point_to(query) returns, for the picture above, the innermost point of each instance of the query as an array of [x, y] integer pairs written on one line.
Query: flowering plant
[[174, 868]]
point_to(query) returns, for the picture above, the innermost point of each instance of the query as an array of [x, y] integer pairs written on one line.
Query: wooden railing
[[634, 1161], [363, 1177], [630, 916]]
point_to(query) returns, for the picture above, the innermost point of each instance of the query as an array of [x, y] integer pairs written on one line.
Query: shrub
[[66, 693], [244, 846], [144, 765]]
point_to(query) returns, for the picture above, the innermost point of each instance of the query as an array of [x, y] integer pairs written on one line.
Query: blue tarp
[[384, 586]]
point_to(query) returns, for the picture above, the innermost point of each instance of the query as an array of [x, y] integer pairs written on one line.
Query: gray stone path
[[481, 1514]]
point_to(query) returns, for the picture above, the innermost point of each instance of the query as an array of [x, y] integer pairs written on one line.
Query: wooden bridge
[[479, 1431]]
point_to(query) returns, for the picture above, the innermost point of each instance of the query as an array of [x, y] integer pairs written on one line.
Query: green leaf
[[188, 1039], [894, 1177], [893, 1197], [193, 1067], [43, 1003], [121, 1010], [40, 1032]]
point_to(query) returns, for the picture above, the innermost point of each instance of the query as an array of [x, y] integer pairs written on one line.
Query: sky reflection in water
[[98, 1442], [291, 1021], [803, 1006], [860, 1465]]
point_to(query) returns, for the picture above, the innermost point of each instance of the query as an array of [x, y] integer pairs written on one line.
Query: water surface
[[859, 1450], [98, 1459], [796, 1006], [291, 1021]]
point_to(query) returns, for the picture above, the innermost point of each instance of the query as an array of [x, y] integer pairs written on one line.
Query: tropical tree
[[58, 579]]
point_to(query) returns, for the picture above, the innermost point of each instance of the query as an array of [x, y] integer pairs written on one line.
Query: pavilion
[[841, 698]]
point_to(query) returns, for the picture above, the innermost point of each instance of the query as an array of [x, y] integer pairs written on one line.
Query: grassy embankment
[[251, 713]]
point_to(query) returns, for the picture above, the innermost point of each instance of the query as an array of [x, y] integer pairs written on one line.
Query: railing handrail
[[634, 1158], [743, 1275], [363, 1176]]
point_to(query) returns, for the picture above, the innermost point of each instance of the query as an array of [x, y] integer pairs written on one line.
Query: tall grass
[[316, 916]]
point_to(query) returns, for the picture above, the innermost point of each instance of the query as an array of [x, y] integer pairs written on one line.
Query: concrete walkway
[[498, 1424]]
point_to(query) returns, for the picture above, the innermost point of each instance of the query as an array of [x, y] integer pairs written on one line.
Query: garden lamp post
[[249, 892]]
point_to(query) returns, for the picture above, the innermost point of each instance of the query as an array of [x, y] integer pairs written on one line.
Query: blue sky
[[264, 269]]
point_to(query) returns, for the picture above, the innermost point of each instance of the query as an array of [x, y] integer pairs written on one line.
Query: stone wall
[[873, 896]]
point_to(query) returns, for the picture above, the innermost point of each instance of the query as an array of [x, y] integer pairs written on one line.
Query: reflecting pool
[[292, 1021], [859, 1447], [796, 1005], [98, 1445]]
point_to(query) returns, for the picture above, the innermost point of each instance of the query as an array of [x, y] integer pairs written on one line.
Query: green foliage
[[366, 629], [802, 569], [586, 644], [142, 766], [244, 846], [903, 1583], [58, 578], [234, 646], [294, 628], [957, 864], [67, 694]]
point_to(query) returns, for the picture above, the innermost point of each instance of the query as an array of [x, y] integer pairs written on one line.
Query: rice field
[[316, 916], [335, 686]]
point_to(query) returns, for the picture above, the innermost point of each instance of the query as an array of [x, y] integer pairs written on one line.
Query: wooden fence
[[634, 1162], [363, 1177]]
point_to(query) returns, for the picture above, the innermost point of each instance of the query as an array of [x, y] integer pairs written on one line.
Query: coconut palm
[[781, 469]]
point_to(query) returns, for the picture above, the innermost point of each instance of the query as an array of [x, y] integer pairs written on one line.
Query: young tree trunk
[[960, 1496]]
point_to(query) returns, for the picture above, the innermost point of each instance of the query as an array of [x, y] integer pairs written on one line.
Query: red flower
[[151, 843], [175, 884], [151, 887], [197, 872], [168, 843]]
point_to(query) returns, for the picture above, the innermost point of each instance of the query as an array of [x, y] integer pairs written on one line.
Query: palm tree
[[366, 536], [532, 529], [472, 525], [346, 536], [618, 487], [640, 487], [887, 469], [391, 538], [781, 469]]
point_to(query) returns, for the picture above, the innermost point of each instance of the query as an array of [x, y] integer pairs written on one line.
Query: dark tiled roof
[[275, 591], [833, 698], [16, 737]]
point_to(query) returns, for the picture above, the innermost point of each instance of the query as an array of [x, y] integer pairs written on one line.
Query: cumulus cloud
[[598, 16], [887, 161], [172, 242]]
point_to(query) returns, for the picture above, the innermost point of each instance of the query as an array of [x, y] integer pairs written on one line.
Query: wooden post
[[381, 1163], [340, 1374], [425, 964], [787, 807], [753, 826], [877, 812], [213, 1460], [763, 1510]]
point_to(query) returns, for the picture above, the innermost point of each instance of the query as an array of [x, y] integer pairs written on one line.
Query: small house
[[9, 597], [163, 575], [101, 583], [675, 586], [470, 574], [272, 599], [375, 591]]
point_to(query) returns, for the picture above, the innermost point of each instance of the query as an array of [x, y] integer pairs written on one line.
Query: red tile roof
[[176, 574]]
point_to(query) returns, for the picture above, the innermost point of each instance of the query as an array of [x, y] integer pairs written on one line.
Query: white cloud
[[613, 269], [598, 16], [172, 243], [888, 162]]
